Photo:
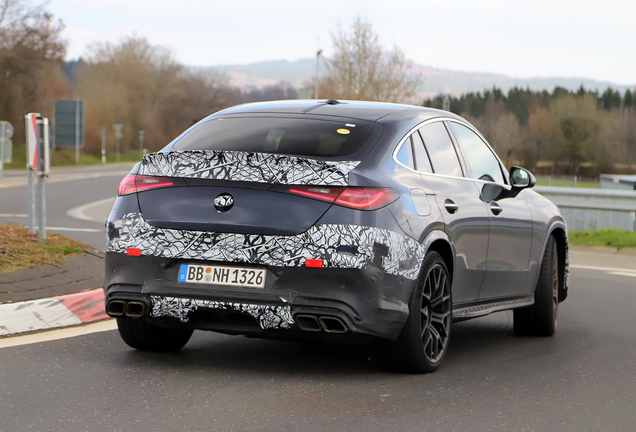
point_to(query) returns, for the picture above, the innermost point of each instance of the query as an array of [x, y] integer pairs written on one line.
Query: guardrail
[[592, 209]]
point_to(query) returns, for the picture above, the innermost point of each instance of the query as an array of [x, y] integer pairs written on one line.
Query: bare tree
[[543, 129], [31, 60], [588, 133], [141, 86], [507, 137], [281, 91], [362, 70]]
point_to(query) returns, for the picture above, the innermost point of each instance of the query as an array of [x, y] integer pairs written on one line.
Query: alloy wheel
[[435, 313], [555, 282]]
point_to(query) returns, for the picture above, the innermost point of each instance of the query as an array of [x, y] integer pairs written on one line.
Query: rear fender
[[438, 241], [559, 230]]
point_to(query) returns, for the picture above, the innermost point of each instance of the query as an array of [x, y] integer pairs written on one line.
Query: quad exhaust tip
[[132, 309], [308, 323], [332, 325], [135, 309], [315, 323], [116, 308]]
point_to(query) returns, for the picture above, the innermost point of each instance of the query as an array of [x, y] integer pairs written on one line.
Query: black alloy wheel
[[423, 342], [436, 317], [540, 319], [555, 284]]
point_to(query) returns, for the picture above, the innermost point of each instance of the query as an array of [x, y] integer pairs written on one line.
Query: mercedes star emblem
[[223, 202]]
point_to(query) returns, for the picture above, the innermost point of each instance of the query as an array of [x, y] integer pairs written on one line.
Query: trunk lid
[[237, 192]]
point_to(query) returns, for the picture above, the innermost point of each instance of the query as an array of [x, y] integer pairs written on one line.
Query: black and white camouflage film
[[399, 254], [268, 317], [247, 167]]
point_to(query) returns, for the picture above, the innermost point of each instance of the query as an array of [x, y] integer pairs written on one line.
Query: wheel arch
[[559, 231], [439, 242]]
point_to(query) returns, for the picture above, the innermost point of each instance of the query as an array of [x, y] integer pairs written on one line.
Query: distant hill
[[437, 80]]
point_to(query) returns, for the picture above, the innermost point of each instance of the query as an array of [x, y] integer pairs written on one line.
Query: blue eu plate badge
[[183, 272]]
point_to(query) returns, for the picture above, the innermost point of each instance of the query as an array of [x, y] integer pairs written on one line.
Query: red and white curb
[[48, 313]]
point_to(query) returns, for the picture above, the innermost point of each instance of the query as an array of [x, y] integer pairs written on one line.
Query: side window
[[441, 150], [422, 163], [483, 163], [405, 155]]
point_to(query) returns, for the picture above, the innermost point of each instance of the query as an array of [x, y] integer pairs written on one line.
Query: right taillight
[[322, 193], [360, 198], [137, 183], [365, 198]]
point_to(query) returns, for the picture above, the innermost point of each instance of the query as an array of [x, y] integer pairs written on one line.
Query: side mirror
[[521, 178]]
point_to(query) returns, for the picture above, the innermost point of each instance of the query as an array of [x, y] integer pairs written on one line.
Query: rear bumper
[[368, 302]]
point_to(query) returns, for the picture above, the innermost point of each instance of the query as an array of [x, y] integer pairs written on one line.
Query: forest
[[560, 132]]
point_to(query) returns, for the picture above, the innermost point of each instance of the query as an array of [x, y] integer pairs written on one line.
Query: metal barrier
[[593, 209]]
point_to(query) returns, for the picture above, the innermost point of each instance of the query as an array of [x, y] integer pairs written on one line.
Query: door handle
[[450, 205], [495, 208]]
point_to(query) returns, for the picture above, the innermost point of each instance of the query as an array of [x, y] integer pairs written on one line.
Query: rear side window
[[405, 155], [441, 150], [422, 163], [302, 137], [482, 161]]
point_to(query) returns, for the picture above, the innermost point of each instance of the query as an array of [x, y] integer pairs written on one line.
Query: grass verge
[[67, 158], [20, 250], [543, 181], [611, 237]]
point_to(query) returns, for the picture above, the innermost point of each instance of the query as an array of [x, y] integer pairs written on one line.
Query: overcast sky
[[557, 38]]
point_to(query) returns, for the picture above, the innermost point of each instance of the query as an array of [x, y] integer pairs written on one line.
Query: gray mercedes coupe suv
[[331, 219]]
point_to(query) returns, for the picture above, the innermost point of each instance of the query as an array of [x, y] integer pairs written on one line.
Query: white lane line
[[78, 212], [100, 326], [74, 229], [60, 177], [605, 269], [13, 215], [623, 274]]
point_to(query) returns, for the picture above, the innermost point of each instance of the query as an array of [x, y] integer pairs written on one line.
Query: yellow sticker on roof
[[343, 131]]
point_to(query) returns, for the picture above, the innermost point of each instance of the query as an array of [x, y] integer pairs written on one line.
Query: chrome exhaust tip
[[308, 323], [135, 309], [115, 308], [333, 324]]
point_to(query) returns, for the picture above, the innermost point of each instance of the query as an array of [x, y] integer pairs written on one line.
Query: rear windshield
[[302, 137]]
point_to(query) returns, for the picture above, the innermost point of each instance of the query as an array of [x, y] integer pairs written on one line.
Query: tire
[[540, 319], [423, 341], [147, 337]]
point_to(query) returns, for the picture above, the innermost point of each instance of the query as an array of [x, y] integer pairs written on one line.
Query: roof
[[370, 111]]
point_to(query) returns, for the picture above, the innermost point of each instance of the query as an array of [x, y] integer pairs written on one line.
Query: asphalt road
[[582, 379], [66, 189]]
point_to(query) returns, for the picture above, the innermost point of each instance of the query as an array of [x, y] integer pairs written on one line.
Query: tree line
[[560, 132]]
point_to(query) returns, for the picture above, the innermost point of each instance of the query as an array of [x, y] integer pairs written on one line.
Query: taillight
[[127, 185], [360, 198], [319, 192], [137, 183], [365, 198]]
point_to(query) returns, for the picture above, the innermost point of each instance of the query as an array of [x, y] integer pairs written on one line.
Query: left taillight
[[137, 183]]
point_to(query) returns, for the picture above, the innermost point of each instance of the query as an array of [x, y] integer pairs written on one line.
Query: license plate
[[221, 275]]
